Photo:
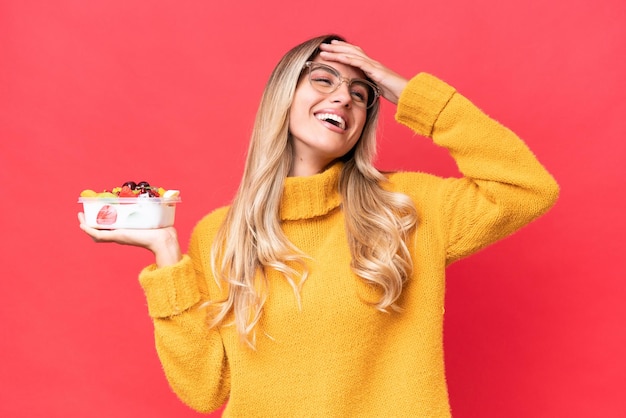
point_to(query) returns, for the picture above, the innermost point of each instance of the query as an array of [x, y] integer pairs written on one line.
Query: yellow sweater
[[337, 356]]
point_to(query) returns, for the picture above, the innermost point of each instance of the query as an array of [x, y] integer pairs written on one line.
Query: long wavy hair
[[251, 241]]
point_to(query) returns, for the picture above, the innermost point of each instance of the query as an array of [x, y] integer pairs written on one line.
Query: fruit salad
[[131, 205]]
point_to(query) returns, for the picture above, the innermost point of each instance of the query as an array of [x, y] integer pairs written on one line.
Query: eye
[[359, 92], [321, 80]]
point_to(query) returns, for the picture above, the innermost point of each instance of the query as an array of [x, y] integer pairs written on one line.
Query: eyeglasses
[[326, 79]]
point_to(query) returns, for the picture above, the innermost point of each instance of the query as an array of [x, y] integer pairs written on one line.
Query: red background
[[95, 93]]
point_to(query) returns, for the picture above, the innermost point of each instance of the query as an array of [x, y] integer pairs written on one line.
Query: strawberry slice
[[126, 191]]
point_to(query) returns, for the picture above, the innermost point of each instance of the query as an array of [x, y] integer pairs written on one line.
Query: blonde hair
[[251, 240]]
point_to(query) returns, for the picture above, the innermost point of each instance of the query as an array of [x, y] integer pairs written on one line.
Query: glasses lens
[[323, 78], [326, 79], [362, 92]]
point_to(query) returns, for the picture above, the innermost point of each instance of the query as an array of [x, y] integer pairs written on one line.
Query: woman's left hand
[[390, 83]]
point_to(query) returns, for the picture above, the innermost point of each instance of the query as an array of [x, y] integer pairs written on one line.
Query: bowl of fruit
[[131, 205]]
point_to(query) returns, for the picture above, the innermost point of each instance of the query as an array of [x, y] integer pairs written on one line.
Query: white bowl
[[129, 212]]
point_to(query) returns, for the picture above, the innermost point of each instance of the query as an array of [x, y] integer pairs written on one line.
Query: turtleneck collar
[[311, 196]]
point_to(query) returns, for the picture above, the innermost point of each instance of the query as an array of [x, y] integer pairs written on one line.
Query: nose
[[342, 93]]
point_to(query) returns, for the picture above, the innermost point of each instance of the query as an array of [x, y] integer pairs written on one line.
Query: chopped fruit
[[126, 191], [106, 194], [88, 193], [169, 194], [132, 189], [143, 186], [130, 184]]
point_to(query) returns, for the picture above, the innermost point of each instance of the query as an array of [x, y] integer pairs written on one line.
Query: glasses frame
[[310, 65]]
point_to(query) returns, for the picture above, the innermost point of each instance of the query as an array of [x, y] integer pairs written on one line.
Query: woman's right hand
[[163, 242], [391, 83]]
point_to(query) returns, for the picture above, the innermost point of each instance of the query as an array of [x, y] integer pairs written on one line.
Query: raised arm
[[504, 186]]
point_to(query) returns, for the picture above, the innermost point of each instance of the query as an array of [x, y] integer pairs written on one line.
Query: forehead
[[345, 70]]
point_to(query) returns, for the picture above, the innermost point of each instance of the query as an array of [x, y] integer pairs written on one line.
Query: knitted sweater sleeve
[[192, 354], [503, 186]]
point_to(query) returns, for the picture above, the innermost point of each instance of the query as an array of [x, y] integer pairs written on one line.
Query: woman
[[320, 290]]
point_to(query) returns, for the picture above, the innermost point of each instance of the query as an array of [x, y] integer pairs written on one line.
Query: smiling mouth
[[332, 118]]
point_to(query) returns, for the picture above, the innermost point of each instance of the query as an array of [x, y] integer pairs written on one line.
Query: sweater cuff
[[170, 290], [421, 102]]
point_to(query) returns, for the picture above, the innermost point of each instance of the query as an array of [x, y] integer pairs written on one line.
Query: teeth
[[335, 119]]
